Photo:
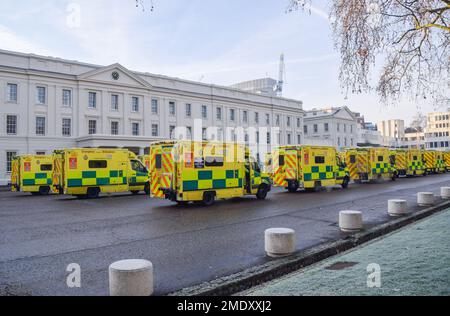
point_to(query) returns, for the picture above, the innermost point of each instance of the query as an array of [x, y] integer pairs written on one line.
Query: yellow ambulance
[[447, 160], [32, 173], [87, 172], [369, 163], [407, 162], [145, 159], [185, 171], [434, 161], [308, 167]]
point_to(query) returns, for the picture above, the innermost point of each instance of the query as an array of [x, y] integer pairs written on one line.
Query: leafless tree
[[141, 4], [411, 38], [419, 122]]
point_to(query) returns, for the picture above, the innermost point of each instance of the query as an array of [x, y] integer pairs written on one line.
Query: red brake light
[[27, 166]]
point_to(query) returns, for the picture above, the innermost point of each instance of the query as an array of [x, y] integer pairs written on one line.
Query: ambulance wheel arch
[[293, 186], [345, 182], [209, 197], [262, 191], [93, 192]]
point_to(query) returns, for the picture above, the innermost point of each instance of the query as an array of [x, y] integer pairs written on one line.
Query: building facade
[[334, 126], [437, 132], [392, 132], [50, 103], [414, 139]]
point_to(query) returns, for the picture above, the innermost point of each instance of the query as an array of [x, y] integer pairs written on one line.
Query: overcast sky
[[213, 41]]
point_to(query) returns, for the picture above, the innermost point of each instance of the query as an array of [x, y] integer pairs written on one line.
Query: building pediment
[[114, 74], [344, 113]]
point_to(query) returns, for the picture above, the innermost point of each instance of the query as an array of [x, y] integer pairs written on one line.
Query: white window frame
[[38, 95], [114, 107], [133, 130], [219, 113], [157, 130], [174, 104], [232, 115], [188, 109], [92, 105], [154, 106], [111, 130], [135, 106], [15, 126], [89, 127], [8, 92], [245, 116], [44, 132], [64, 104], [9, 159], [63, 127]]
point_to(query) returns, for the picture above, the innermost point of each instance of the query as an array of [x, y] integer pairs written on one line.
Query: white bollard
[[445, 193], [279, 242], [397, 207], [133, 277], [350, 221], [425, 198]]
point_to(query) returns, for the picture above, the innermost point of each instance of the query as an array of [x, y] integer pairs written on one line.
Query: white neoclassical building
[[48, 103], [333, 126]]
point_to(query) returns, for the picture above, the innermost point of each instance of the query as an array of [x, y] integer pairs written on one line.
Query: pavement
[[40, 236], [412, 261]]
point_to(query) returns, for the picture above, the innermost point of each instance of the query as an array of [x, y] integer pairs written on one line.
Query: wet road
[[40, 236]]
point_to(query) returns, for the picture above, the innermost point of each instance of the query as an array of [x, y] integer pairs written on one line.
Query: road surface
[[40, 236]]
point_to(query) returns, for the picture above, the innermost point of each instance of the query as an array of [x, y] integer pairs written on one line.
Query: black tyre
[[135, 192], [292, 187], [147, 188], [93, 193], [44, 190], [262, 192], [182, 203], [208, 198], [345, 182]]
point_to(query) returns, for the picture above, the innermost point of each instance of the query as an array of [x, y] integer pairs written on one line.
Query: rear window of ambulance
[[281, 160], [98, 164], [214, 161], [352, 159], [319, 159], [158, 163], [46, 167]]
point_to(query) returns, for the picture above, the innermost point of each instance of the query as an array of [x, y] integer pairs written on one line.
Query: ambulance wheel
[[135, 192], [44, 190], [93, 193], [35, 193], [293, 187], [345, 182], [262, 192], [208, 198], [182, 203], [147, 188]]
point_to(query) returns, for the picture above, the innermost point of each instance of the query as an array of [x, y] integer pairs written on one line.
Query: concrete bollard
[[350, 221], [425, 198], [397, 207], [279, 242], [445, 193], [133, 277]]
